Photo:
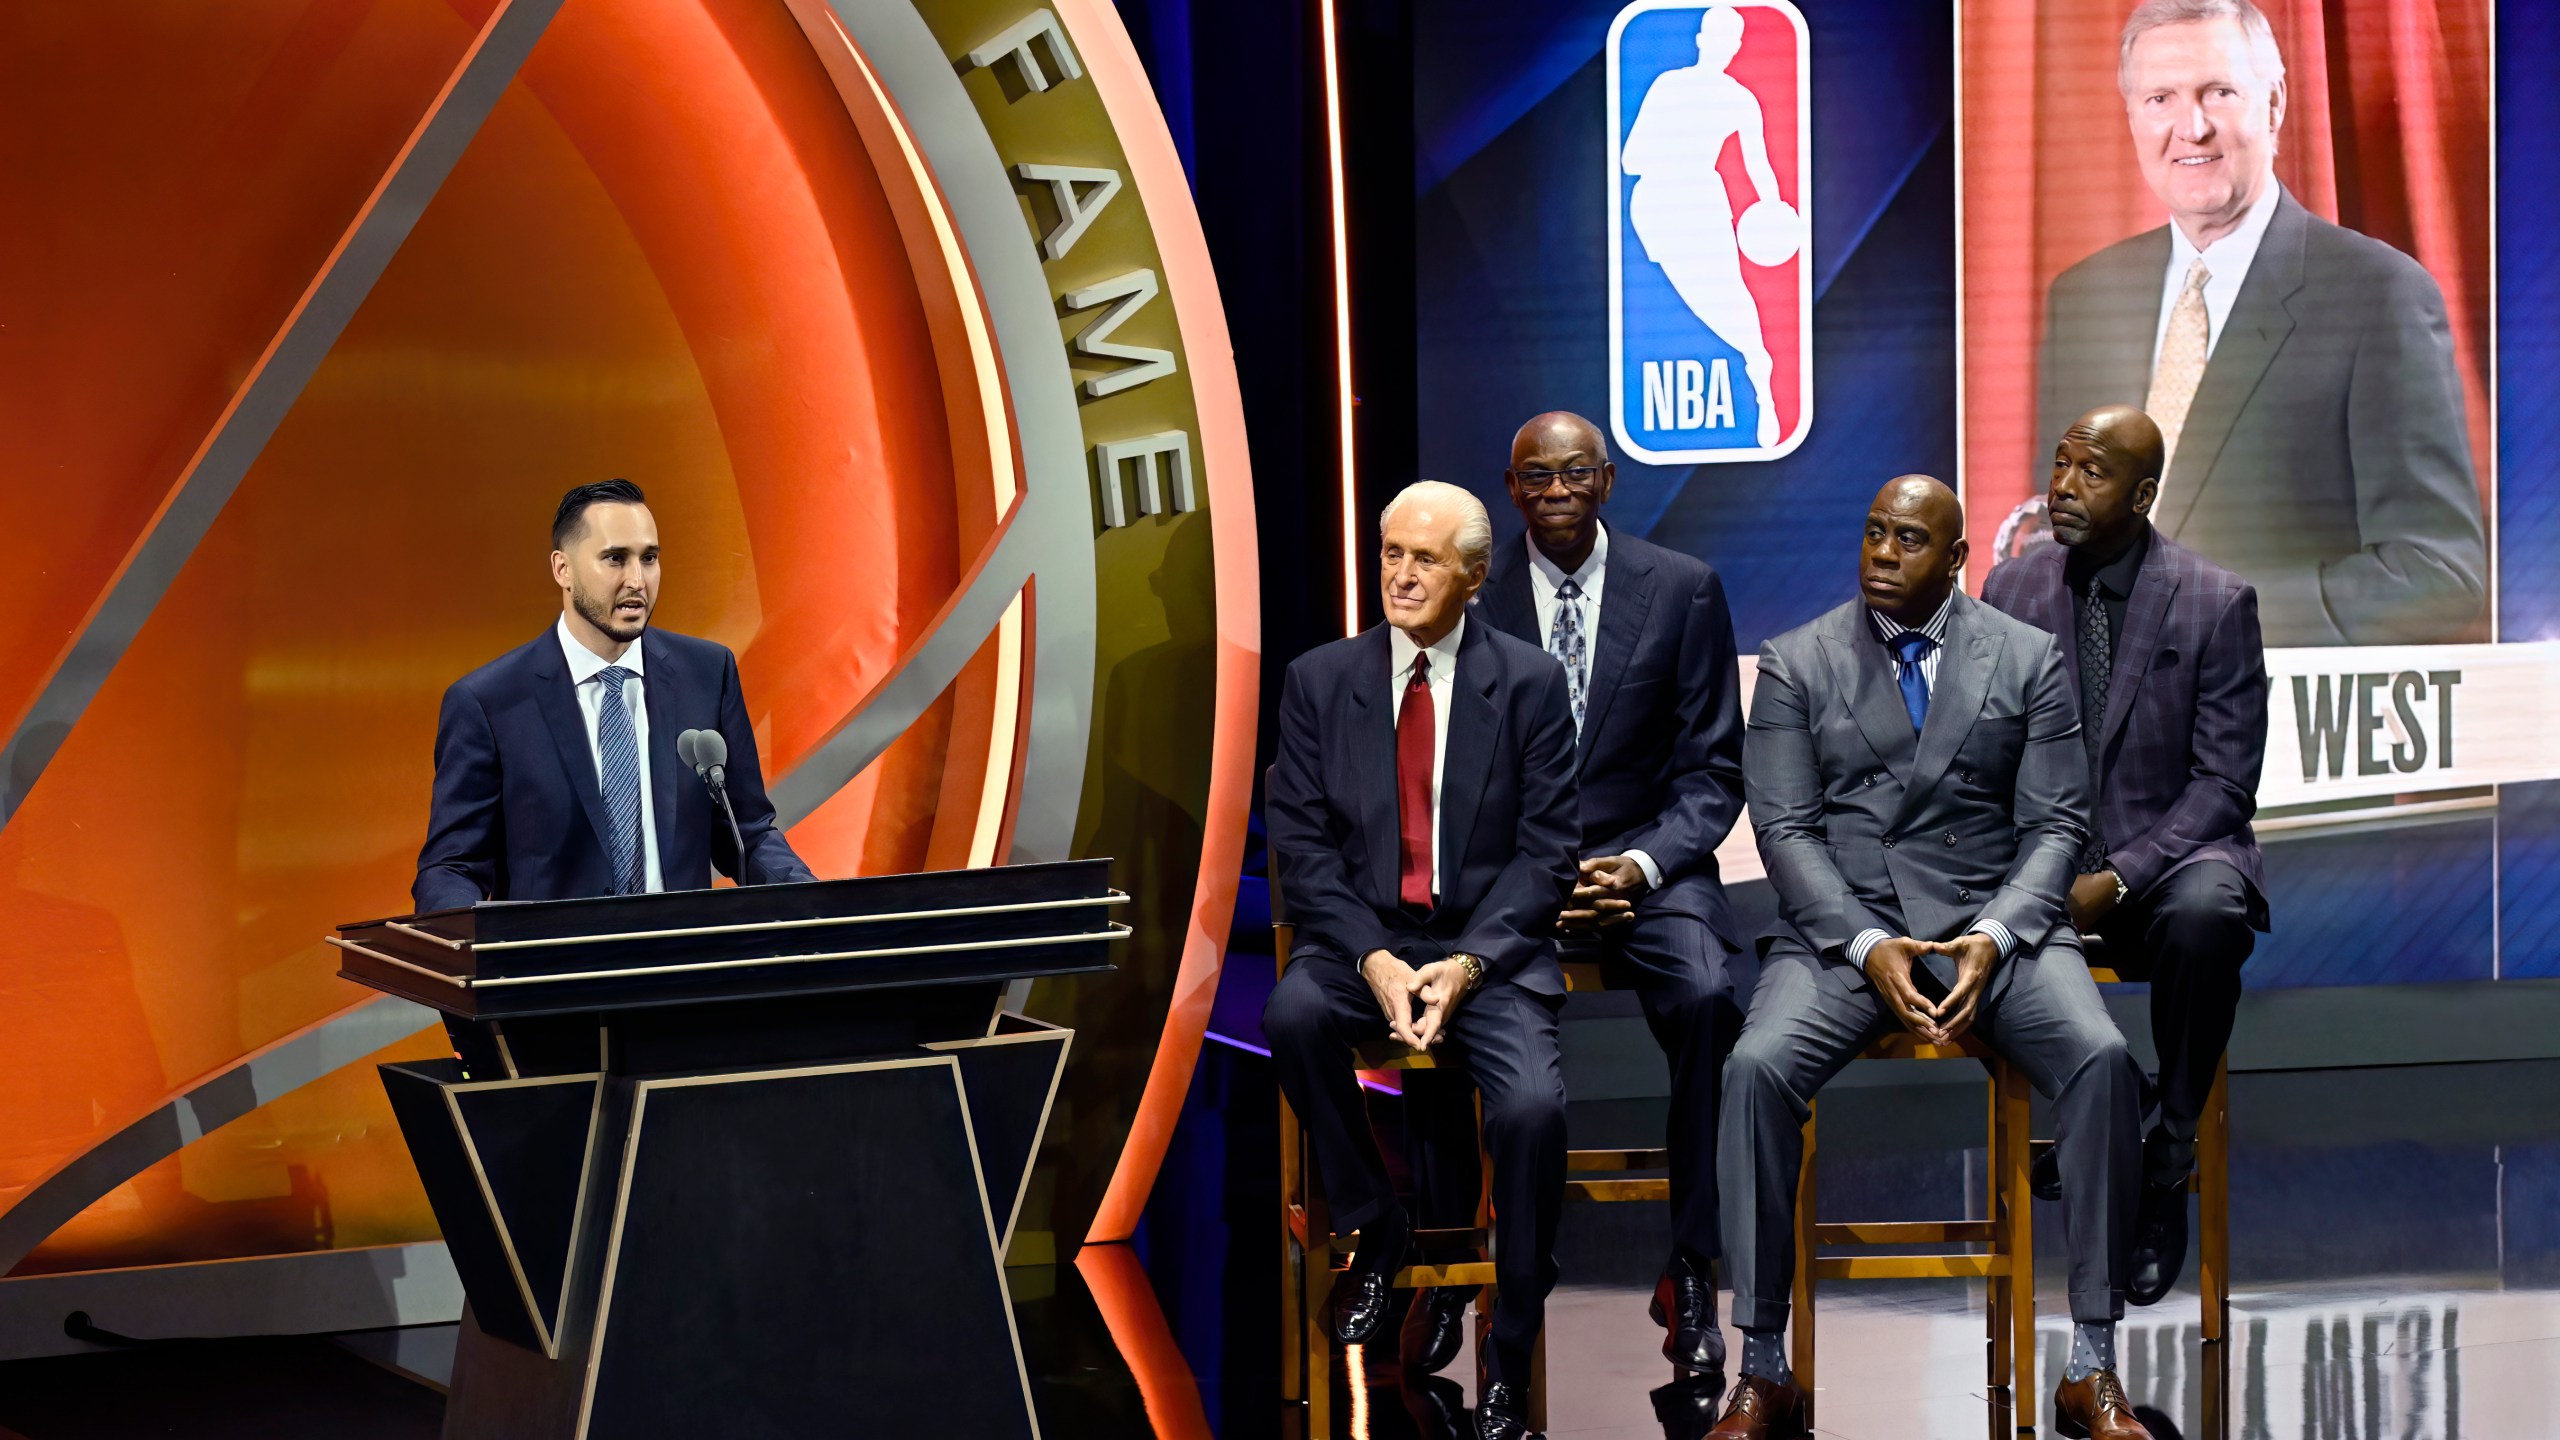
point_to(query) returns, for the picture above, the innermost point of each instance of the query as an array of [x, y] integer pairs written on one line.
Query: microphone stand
[[717, 777]]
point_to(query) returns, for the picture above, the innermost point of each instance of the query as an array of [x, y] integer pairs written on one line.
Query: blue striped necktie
[[618, 767], [1908, 648]]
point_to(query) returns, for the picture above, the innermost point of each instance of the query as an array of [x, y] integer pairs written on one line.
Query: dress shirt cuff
[[2001, 939], [1652, 872], [1865, 941]]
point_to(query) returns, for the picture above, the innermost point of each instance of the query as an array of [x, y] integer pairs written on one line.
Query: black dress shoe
[[2044, 1177], [2159, 1243], [1365, 1294], [1501, 1413], [1436, 1405], [1684, 1304], [1687, 1406], [1433, 1329]]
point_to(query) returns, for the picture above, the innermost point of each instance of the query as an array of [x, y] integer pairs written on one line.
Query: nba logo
[[1710, 282]]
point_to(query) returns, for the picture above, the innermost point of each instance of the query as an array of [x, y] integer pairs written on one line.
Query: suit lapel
[[1373, 761], [1863, 669], [2120, 352], [1473, 725], [1955, 699], [657, 692], [559, 701], [1626, 597], [1506, 602], [2050, 607], [2255, 330], [2145, 611]]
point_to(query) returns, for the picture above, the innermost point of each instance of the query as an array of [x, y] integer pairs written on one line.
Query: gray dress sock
[[2093, 1347], [1764, 1353]]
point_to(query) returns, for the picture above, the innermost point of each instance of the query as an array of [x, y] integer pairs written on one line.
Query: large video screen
[[1784, 253]]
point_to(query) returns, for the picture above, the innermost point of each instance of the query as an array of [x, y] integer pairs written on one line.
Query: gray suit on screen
[[1865, 825], [2326, 459]]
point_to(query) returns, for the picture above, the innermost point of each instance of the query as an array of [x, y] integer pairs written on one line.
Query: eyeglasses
[[1580, 479]]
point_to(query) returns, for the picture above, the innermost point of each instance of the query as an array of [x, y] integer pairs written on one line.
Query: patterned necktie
[[1565, 643], [1416, 724], [1908, 647], [2183, 352], [2097, 668], [618, 775]]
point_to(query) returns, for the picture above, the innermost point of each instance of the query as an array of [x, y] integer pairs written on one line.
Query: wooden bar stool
[[1309, 1261], [2006, 1265], [2211, 1185]]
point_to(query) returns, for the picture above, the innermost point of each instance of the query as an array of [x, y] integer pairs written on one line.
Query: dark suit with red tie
[[1506, 841]]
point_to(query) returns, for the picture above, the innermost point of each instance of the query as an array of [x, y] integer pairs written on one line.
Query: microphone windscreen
[[686, 744], [710, 748]]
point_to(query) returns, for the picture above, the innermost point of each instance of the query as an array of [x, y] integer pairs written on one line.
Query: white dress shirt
[[1546, 577], [584, 666], [2226, 263], [1889, 630], [1444, 679]]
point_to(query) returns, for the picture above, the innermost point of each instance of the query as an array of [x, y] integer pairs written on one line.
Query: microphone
[[707, 751]]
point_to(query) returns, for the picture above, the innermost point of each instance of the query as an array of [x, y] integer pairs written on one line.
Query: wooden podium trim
[[1114, 897], [1116, 932]]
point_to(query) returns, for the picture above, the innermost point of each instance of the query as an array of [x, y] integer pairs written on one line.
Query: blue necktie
[[1908, 647], [1565, 643], [618, 767]]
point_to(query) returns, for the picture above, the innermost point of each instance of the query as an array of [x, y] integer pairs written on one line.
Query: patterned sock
[[2093, 1347], [1764, 1353]]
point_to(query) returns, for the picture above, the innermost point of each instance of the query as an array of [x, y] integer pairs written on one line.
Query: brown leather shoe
[[2094, 1408], [1761, 1409]]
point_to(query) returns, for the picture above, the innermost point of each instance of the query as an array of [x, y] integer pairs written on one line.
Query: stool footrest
[[1616, 1190], [1589, 1160], [1907, 1232], [1432, 1277], [1910, 1267]]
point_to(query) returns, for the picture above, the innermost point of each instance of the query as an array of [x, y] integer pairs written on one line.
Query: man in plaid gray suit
[[2164, 653]]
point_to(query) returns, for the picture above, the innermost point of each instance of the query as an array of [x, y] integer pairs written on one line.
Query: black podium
[[738, 1162]]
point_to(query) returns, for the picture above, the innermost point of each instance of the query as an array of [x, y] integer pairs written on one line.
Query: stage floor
[[2396, 1245]]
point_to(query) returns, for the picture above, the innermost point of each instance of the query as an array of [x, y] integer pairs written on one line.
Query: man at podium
[[557, 771]]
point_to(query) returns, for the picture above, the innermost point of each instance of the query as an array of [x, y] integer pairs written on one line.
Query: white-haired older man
[[1423, 824], [2301, 374]]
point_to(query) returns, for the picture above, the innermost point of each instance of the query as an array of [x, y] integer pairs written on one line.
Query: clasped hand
[[1888, 968], [1416, 1002], [1604, 894]]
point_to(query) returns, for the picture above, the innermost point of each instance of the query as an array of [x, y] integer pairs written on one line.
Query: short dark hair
[[570, 520]]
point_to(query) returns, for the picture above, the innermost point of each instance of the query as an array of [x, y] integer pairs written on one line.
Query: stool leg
[[1806, 1250], [1314, 1343], [2022, 1258], [1293, 1273], [1997, 1290], [2214, 1205]]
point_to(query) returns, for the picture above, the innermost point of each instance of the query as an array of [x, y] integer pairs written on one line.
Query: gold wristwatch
[[1475, 968]]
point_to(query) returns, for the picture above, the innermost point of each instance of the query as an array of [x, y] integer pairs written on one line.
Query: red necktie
[[1415, 723]]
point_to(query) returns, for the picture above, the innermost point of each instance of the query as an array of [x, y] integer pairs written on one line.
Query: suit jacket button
[[1888, 844], [1963, 894], [1871, 780], [1951, 837], [1968, 777]]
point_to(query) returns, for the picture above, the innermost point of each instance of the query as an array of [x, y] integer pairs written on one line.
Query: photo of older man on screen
[[2303, 375]]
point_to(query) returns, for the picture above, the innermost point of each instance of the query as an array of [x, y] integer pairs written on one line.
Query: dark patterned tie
[[618, 775], [1566, 644], [2097, 667]]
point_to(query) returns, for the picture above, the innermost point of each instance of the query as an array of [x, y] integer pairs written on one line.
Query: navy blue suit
[[1659, 770], [1506, 866], [517, 814]]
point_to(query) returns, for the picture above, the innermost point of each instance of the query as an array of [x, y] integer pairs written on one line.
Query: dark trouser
[[1506, 1038], [2191, 934], [1692, 988], [1809, 1019]]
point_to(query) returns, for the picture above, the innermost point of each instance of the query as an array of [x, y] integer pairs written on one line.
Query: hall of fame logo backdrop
[[902, 315]]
